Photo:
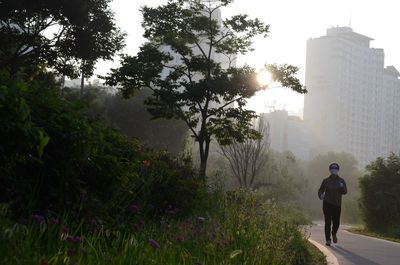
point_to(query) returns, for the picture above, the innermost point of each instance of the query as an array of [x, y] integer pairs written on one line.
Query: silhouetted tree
[[68, 36], [179, 63], [247, 158]]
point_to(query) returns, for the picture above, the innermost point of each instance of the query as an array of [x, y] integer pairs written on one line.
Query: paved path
[[353, 249]]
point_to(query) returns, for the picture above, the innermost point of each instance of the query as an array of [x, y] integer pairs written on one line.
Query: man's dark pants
[[332, 216]]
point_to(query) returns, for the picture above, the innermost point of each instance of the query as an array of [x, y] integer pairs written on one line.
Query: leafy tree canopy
[[66, 35], [189, 62]]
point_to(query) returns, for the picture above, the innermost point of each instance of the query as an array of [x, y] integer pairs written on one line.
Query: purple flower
[[134, 208], [74, 239], [37, 218], [94, 222], [180, 238], [65, 229], [54, 221], [154, 244]]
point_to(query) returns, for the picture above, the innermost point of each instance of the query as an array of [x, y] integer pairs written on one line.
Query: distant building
[[353, 103], [290, 133]]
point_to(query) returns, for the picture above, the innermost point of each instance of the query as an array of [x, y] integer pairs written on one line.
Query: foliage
[[188, 63], [64, 35], [21, 140], [64, 161], [237, 228], [380, 197]]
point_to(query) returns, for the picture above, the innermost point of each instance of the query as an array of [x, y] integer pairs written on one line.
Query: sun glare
[[264, 77]]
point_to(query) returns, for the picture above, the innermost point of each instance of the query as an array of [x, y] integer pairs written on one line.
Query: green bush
[[380, 195], [59, 160]]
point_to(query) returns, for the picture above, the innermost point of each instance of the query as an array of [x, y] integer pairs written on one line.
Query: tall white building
[[353, 101]]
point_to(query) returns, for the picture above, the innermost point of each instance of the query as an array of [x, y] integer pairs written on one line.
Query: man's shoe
[[328, 242], [334, 237]]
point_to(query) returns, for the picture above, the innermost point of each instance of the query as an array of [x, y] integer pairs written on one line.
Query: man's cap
[[334, 166]]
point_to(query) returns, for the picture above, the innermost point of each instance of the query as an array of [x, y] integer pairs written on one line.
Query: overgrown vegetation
[[380, 197], [236, 228]]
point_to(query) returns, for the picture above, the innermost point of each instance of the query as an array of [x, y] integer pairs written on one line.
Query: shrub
[[380, 196], [63, 161]]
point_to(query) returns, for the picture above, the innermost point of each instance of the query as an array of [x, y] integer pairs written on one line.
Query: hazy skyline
[[292, 23]]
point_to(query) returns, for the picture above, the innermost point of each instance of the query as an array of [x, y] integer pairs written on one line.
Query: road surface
[[353, 249]]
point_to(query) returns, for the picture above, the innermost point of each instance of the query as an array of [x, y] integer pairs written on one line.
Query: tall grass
[[236, 228]]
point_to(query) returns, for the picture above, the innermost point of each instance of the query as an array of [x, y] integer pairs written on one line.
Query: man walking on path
[[331, 191]]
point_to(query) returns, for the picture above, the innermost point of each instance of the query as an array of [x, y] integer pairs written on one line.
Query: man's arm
[[344, 187], [321, 189]]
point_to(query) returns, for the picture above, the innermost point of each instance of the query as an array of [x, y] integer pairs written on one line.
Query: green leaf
[[235, 253], [43, 141]]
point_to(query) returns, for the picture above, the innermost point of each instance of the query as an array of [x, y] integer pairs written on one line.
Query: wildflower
[[180, 238], [37, 218], [146, 163], [54, 221], [94, 222], [65, 229], [154, 244], [134, 208], [74, 239]]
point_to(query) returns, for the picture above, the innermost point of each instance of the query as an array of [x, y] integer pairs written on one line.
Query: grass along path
[[363, 231]]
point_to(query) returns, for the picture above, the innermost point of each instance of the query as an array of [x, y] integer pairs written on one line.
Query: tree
[[380, 195], [182, 64], [68, 36], [247, 158]]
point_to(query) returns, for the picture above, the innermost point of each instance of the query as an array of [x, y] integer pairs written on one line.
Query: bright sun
[[264, 77]]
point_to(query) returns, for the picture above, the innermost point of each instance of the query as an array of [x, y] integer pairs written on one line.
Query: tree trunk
[[82, 79], [204, 150]]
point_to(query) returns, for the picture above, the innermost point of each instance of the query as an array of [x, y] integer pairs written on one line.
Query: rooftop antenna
[[350, 20]]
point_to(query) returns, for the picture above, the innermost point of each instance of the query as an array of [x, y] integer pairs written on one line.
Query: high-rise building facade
[[353, 101]]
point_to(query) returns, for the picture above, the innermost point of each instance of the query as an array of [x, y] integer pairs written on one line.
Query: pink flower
[[180, 238], [37, 218], [154, 244]]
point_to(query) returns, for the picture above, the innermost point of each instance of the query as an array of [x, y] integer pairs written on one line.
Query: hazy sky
[[291, 22]]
